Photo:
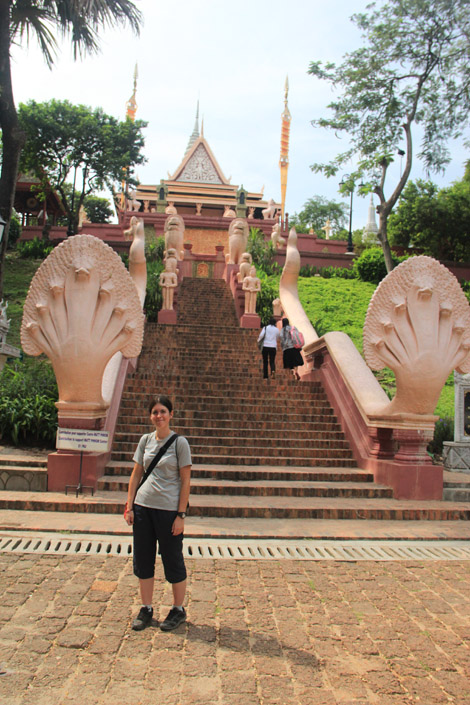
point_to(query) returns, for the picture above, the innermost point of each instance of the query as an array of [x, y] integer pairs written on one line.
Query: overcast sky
[[234, 59]]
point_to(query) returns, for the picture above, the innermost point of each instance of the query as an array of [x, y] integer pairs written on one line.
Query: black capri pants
[[269, 353], [150, 526]]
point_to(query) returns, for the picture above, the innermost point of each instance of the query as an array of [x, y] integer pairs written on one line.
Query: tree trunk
[[382, 235], [12, 137]]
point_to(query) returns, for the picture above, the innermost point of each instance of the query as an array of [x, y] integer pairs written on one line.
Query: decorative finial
[[284, 156], [195, 132], [131, 104]]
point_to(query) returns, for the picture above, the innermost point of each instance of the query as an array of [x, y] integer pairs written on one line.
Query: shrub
[[370, 266], [28, 393], [264, 301], [443, 431], [154, 298], [466, 288], [327, 272], [14, 232], [34, 249], [154, 250], [262, 253]]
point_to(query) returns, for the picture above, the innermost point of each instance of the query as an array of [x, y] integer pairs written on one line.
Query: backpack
[[297, 338]]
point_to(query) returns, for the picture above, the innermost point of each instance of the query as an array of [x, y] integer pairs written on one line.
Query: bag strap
[[156, 458]]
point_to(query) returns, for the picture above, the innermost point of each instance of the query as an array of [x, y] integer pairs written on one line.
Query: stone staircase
[[262, 449]]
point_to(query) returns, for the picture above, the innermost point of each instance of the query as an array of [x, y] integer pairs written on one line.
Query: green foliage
[[98, 209], [264, 300], [411, 70], [75, 142], [435, 221], [34, 249], [443, 431], [18, 275], [370, 266], [327, 272], [466, 288], [337, 304], [15, 230], [155, 250], [316, 212], [154, 297], [79, 21], [262, 253], [28, 393]]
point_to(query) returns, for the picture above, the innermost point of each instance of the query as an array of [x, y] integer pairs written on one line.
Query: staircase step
[[265, 488], [311, 461], [341, 508], [255, 472]]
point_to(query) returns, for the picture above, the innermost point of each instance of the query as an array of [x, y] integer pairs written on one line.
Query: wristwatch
[[181, 514]]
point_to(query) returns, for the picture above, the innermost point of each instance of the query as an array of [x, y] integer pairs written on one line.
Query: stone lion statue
[[270, 211], [174, 234], [237, 240]]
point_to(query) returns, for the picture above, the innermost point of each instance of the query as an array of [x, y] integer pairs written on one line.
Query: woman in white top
[[269, 335]]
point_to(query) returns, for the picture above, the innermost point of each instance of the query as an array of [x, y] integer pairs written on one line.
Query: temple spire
[[131, 105], [284, 158], [195, 132], [131, 110], [371, 226]]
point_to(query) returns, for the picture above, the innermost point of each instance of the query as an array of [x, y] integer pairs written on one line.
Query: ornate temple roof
[[199, 165]]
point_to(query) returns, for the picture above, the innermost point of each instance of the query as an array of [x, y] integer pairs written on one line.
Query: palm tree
[[80, 20]]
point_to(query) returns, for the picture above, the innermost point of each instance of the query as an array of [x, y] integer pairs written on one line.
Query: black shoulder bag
[[156, 458]]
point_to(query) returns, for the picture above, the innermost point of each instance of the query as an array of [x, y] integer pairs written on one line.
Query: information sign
[[82, 439]]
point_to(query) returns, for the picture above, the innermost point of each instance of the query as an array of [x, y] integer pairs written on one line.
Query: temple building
[[199, 191]]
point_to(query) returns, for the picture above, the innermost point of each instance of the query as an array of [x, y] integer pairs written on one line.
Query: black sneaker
[[174, 618], [143, 619]]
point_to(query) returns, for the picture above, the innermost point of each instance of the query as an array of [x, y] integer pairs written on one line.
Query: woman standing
[[269, 336], [156, 509], [291, 356]]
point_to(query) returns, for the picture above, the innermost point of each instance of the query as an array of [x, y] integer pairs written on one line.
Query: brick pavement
[[259, 633]]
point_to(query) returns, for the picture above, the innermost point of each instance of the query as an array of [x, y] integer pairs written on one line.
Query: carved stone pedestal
[[456, 456], [168, 317], [250, 320]]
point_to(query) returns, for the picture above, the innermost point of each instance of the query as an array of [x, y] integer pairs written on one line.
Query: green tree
[[75, 144], [415, 214], [82, 22], [98, 209], [316, 212], [435, 221], [414, 69]]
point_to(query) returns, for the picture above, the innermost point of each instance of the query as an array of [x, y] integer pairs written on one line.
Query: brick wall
[[205, 240]]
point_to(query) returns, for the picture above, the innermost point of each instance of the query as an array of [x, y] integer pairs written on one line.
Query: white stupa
[[371, 228]]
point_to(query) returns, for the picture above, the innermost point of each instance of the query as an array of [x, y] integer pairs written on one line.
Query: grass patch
[[17, 278]]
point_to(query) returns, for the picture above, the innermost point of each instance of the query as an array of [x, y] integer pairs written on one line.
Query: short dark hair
[[163, 400], [285, 322], [272, 322]]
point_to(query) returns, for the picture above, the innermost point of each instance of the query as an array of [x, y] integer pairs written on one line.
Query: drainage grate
[[243, 549]]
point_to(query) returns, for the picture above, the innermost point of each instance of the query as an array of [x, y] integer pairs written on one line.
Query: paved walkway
[[258, 633]]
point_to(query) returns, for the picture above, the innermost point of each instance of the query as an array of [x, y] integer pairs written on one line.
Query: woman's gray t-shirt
[[161, 490]]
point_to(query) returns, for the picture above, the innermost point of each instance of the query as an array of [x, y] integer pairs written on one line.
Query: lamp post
[[346, 181]]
